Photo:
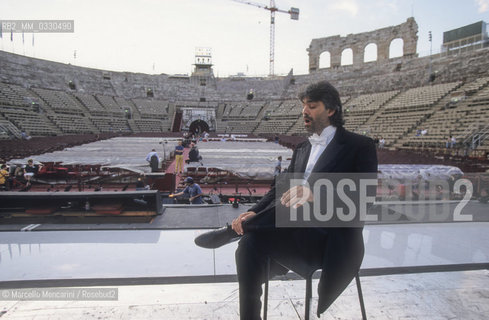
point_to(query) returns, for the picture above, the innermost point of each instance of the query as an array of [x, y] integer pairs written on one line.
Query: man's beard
[[316, 125], [310, 127]]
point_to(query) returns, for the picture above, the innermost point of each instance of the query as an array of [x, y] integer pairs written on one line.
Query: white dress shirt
[[319, 144]]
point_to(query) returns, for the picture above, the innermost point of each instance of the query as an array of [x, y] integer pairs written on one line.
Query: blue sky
[[160, 36]]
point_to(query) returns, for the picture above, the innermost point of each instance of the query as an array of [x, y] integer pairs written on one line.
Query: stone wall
[[382, 75], [398, 73], [357, 42]]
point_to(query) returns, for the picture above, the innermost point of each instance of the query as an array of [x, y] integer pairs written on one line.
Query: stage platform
[[410, 271], [429, 296]]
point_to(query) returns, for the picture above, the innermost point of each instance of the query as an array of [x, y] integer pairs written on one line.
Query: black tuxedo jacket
[[343, 253]]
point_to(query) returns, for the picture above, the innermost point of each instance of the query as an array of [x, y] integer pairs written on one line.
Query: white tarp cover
[[121, 152], [252, 160], [410, 172]]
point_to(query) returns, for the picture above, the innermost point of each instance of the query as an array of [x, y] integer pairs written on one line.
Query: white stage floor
[[134, 258], [41, 255], [427, 296]]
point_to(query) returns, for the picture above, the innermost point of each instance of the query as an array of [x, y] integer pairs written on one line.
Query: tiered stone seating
[[108, 103], [263, 88], [459, 118], [221, 125], [152, 108], [33, 123], [288, 109], [150, 125], [251, 110], [421, 97], [281, 110], [439, 127], [72, 123], [14, 95], [235, 111], [474, 86], [59, 101], [113, 125], [90, 103], [407, 110], [273, 127], [125, 104], [355, 120], [359, 109], [20, 114], [243, 110], [245, 127], [476, 115], [232, 110], [482, 97], [391, 126], [402, 114], [8, 130], [295, 107], [297, 128], [371, 101]]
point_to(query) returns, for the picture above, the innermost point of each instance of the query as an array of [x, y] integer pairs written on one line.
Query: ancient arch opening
[[396, 48], [347, 57], [198, 126], [325, 60], [370, 53], [407, 32]]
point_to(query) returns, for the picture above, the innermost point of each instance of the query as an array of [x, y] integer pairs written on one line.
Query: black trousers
[[287, 248]]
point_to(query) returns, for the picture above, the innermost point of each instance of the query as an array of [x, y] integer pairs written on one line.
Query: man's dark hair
[[323, 91]]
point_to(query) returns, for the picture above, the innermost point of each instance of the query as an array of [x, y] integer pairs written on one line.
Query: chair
[[307, 274], [191, 171], [201, 172]]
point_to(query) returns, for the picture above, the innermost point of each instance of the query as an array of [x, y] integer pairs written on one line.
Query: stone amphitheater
[[394, 98]]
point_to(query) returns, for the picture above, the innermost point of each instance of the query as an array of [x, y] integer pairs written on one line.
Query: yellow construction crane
[[294, 15]]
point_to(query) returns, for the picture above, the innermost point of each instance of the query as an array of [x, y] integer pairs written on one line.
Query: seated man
[[29, 171], [337, 251], [193, 154], [193, 190]]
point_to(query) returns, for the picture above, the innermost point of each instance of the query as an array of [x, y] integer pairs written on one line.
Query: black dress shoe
[[217, 238]]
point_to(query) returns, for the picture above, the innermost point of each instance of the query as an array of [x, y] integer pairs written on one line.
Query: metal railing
[[476, 137]]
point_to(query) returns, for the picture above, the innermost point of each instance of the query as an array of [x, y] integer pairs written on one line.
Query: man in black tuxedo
[[337, 251]]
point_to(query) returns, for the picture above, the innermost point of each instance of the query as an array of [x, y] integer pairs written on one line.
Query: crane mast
[[294, 15]]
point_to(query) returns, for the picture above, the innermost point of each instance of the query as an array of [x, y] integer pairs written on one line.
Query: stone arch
[[370, 52], [198, 126], [396, 48], [325, 60], [357, 42], [347, 57]]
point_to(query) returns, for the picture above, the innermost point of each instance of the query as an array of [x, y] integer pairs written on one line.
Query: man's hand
[[296, 197], [237, 223]]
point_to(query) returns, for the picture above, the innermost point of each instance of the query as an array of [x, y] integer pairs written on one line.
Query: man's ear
[[330, 112]]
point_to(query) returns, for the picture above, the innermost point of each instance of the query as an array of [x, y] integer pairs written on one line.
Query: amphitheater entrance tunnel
[[198, 126]]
